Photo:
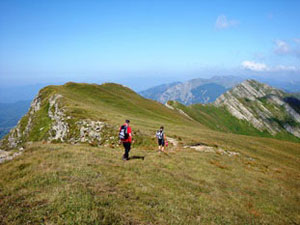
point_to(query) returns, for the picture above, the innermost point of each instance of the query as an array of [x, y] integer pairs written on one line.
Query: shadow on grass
[[136, 157]]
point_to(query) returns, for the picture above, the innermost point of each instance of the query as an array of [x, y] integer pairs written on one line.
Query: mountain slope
[[250, 108], [266, 108], [193, 91], [155, 92]]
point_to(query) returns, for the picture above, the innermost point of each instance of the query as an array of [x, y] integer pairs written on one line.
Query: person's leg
[[159, 145], [128, 149], [163, 145], [125, 156]]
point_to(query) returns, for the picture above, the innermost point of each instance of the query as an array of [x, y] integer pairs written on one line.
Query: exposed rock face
[[6, 156], [61, 126], [262, 106], [90, 131]]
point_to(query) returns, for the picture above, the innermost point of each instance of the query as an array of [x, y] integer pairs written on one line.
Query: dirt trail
[[173, 141], [202, 148]]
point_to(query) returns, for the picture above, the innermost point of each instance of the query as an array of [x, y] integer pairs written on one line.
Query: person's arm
[[130, 134]]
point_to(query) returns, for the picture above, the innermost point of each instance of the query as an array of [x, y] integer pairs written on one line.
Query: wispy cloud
[[285, 68], [254, 66], [262, 67], [284, 48], [281, 47], [223, 23], [297, 40]]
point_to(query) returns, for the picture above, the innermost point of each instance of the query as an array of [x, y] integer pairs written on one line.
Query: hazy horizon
[[131, 42]]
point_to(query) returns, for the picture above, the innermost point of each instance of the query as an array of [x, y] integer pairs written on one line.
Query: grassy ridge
[[115, 103]]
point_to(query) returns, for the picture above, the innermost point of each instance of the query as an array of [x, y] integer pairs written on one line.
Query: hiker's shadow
[[136, 157]]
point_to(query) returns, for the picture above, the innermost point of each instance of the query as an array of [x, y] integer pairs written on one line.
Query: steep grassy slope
[[219, 119], [115, 103], [265, 108], [77, 184]]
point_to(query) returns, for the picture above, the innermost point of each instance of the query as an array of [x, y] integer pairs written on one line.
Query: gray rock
[[255, 111]]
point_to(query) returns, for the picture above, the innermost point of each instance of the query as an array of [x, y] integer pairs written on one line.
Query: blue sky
[[96, 41]]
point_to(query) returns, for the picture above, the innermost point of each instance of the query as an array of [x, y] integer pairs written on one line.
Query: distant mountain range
[[207, 90], [193, 91]]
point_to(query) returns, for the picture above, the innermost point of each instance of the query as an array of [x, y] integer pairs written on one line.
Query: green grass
[[82, 184], [219, 119], [41, 124], [63, 184]]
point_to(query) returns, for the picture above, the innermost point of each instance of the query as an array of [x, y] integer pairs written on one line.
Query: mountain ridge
[[253, 108], [267, 103], [78, 112]]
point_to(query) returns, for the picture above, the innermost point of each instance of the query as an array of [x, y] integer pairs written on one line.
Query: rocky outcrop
[[60, 128], [90, 131], [262, 106], [6, 156]]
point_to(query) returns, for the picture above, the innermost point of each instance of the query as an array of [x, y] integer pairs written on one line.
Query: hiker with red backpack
[[125, 137]]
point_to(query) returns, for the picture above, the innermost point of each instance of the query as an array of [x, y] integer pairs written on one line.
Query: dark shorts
[[161, 142]]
